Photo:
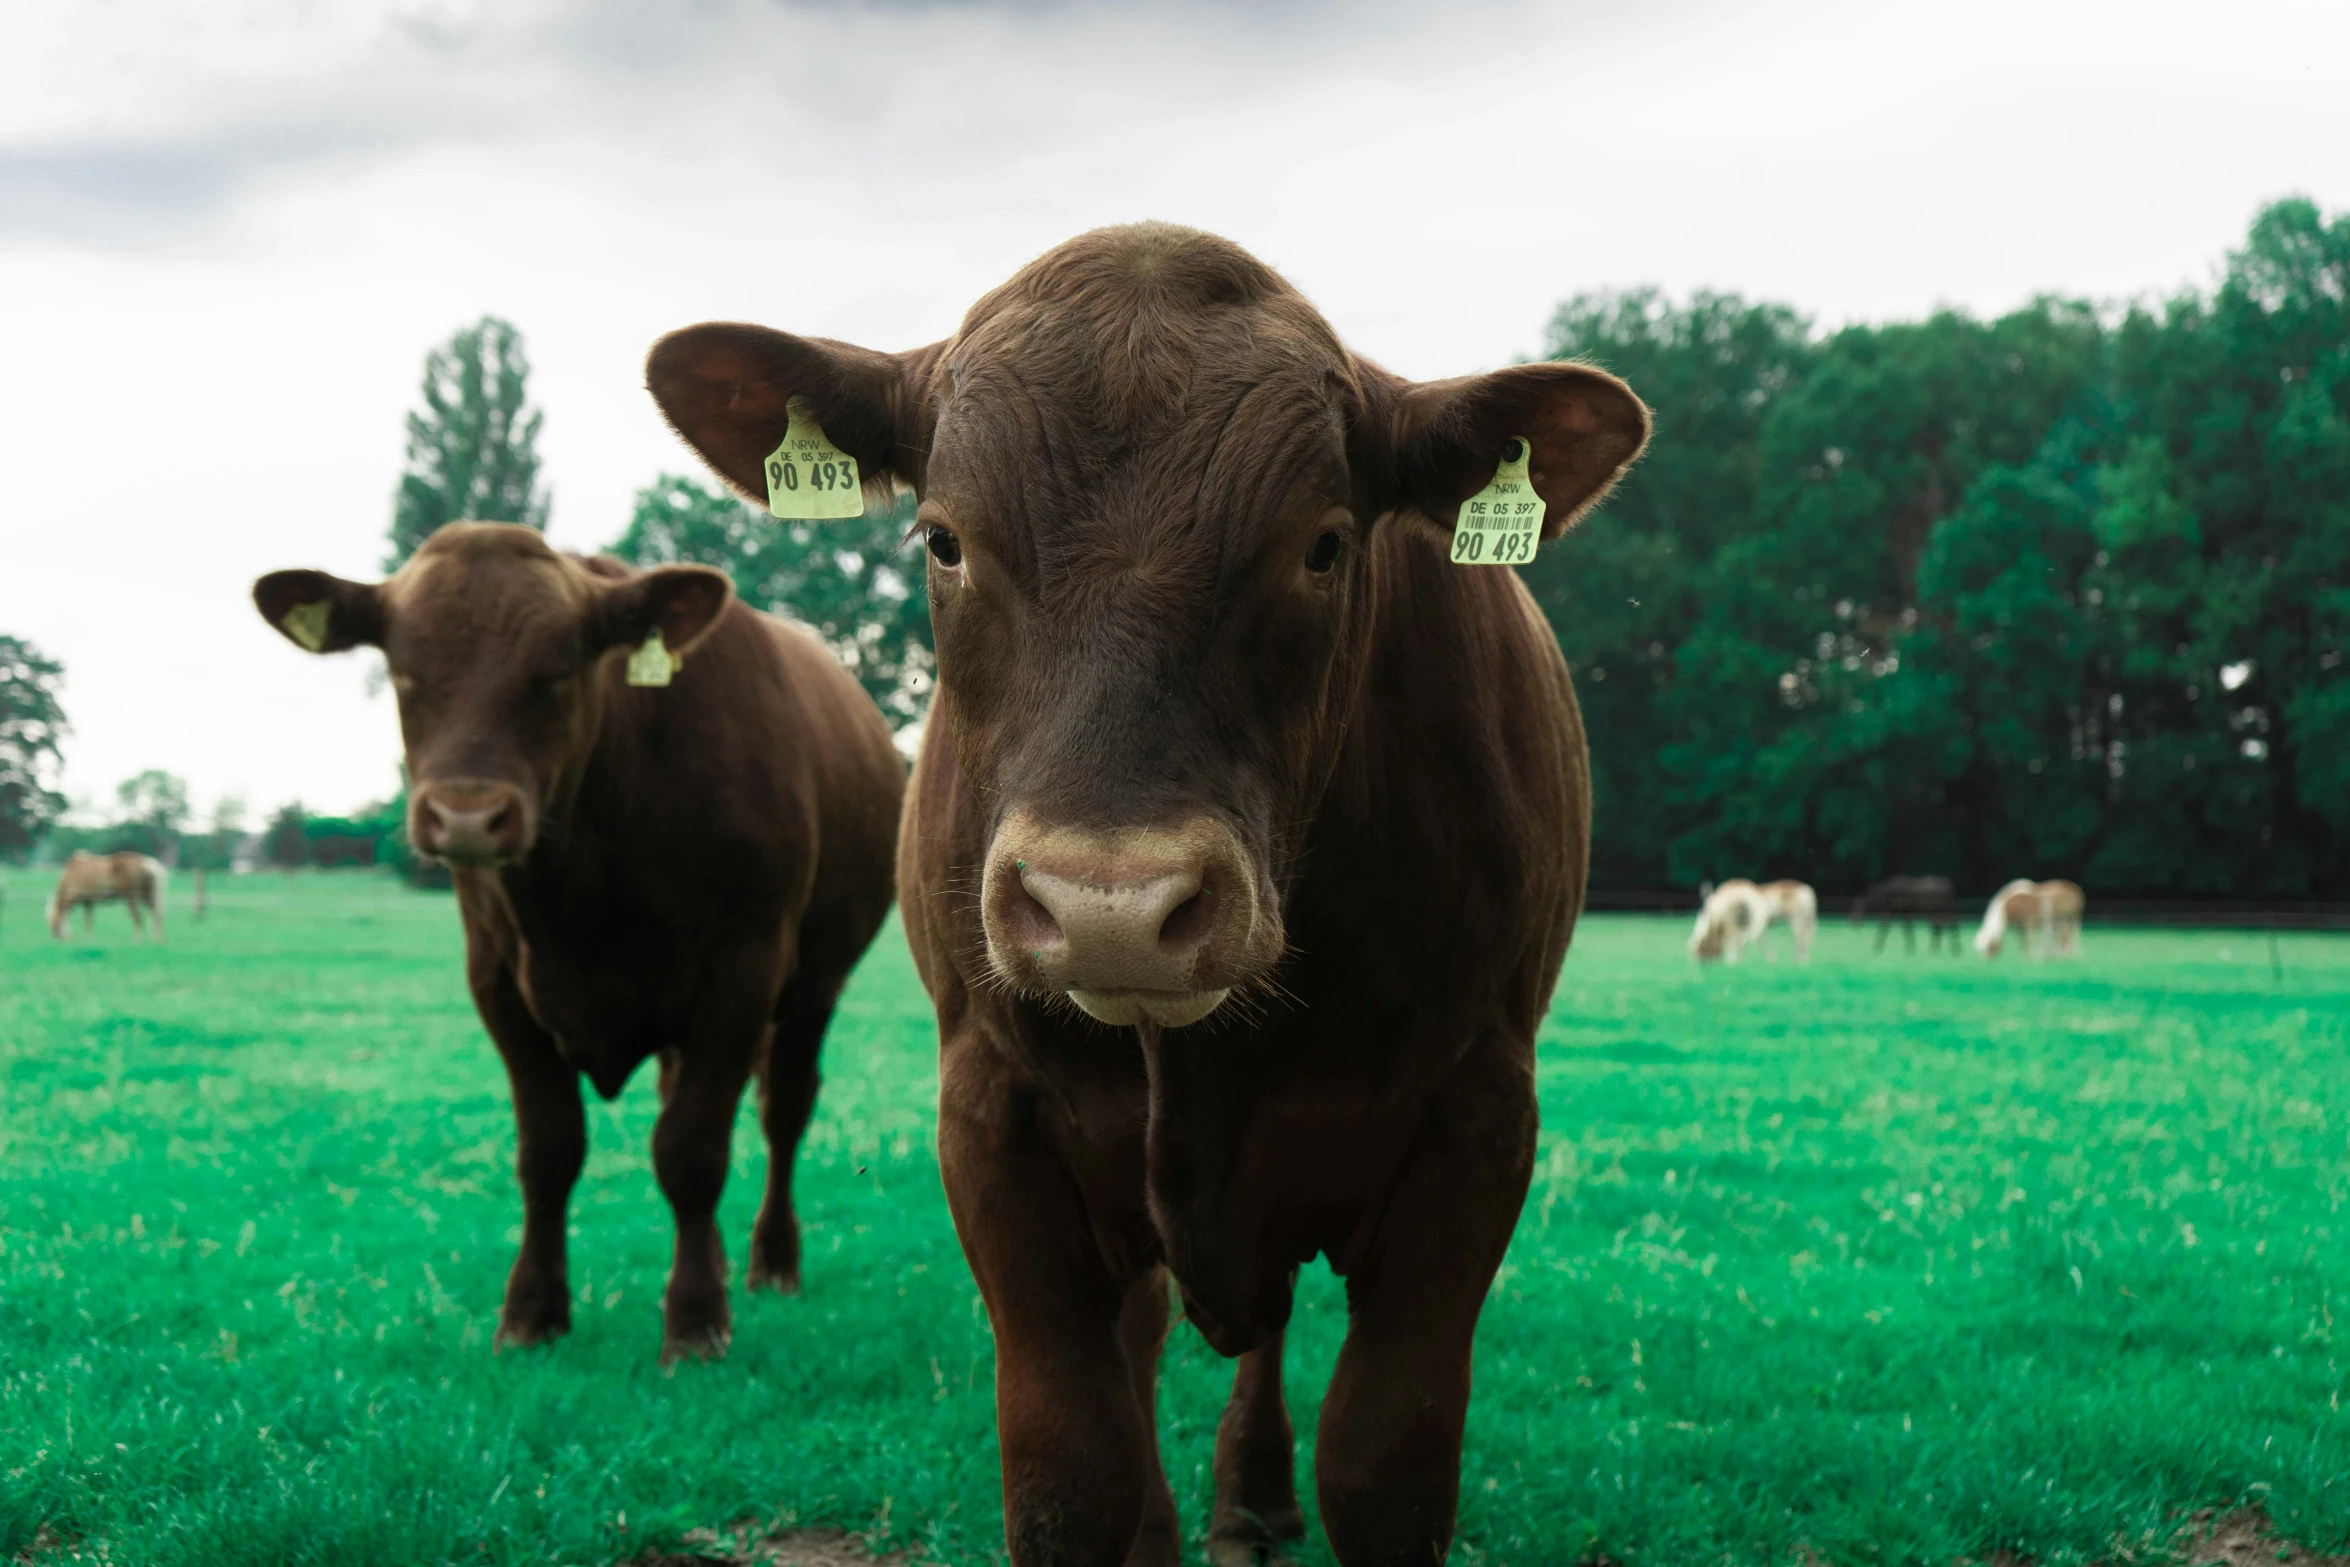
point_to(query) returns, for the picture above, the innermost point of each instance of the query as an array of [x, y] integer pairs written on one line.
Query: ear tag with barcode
[[306, 623], [1498, 526], [652, 664], [808, 477]]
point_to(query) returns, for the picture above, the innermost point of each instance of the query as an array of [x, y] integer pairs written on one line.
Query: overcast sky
[[229, 232]]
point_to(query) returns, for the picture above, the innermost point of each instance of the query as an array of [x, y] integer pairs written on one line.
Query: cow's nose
[[1133, 924], [474, 822]]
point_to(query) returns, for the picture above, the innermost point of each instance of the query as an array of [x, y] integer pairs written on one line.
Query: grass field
[[1897, 1259]]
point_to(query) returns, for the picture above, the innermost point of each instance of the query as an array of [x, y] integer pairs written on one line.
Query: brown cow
[[1244, 845], [134, 880], [688, 871]]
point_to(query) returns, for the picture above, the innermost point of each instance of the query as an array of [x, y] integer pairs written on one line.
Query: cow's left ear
[[320, 612], [1426, 446], [684, 602]]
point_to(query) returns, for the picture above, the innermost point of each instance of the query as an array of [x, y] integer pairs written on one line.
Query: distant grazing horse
[[2046, 914], [1737, 913], [89, 879], [1909, 899]]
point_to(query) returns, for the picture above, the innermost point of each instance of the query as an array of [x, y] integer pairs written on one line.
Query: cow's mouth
[[1167, 1008]]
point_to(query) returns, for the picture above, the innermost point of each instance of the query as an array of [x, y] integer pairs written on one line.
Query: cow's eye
[[945, 548], [1324, 554]]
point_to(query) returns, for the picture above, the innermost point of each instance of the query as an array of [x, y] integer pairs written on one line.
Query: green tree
[[285, 842], [154, 814], [32, 730], [857, 581], [473, 447], [1626, 591]]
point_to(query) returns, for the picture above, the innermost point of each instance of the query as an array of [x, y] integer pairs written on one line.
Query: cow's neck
[[1201, 1102]]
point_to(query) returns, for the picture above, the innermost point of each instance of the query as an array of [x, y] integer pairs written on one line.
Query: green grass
[[1899, 1259]]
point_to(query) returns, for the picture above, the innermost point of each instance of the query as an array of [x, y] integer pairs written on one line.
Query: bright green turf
[[1901, 1258]]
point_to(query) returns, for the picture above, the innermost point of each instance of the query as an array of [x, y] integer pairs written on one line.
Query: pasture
[[1895, 1259]]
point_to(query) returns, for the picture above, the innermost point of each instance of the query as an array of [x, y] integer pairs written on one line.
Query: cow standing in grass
[[136, 881], [1243, 848], [687, 870]]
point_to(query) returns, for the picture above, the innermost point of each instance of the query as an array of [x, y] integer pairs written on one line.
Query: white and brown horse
[[1737, 913], [2046, 915], [134, 880]]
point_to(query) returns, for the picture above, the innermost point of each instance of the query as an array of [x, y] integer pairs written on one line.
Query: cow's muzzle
[[471, 821], [1134, 924]]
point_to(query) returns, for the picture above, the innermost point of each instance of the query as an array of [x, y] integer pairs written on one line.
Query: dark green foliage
[[855, 580], [373, 835], [2056, 594], [473, 449], [1879, 1261], [152, 817], [153, 814], [32, 727], [285, 841]]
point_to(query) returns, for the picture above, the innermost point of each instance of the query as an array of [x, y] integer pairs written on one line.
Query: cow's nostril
[[1029, 922], [1188, 924]]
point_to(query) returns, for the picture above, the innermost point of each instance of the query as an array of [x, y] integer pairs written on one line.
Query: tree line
[[2062, 593]]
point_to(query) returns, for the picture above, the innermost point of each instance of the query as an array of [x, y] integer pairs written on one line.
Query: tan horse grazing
[[2046, 914], [1733, 915], [135, 880], [1738, 913]]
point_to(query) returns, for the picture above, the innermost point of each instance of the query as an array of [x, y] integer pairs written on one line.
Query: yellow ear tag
[[807, 476], [306, 623], [652, 664], [1498, 526]]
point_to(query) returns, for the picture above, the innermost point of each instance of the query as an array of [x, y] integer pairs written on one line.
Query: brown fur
[[87, 880], [693, 870], [1135, 444]]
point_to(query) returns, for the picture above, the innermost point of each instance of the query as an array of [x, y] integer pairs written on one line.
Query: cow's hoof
[[783, 1278], [709, 1344], [1229, 1551], [523, 1334]]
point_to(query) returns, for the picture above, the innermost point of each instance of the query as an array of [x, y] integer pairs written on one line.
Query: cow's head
[[494, 642], [1149, 478]]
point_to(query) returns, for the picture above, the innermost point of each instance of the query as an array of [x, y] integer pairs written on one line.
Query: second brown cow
[[1244, 847], [686, 871]]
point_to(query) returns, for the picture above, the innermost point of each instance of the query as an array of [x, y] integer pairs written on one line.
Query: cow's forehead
[[499, 580], [1133, 329], [1062, 416]]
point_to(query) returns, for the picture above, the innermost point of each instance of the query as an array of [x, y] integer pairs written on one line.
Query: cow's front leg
[[1256, 1466], [1075, 1439], [788, 1079], [550, 1144], [1387, 1459], [691, 1142]]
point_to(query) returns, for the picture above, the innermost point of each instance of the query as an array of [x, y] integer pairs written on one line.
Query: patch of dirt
[[2244, 1538], [791, 1548]]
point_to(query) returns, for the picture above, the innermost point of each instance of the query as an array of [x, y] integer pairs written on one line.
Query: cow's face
[[1149, 475], [494, 644]]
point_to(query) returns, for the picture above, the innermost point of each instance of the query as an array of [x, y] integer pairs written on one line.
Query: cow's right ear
[[727, 388], [320, 612]]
